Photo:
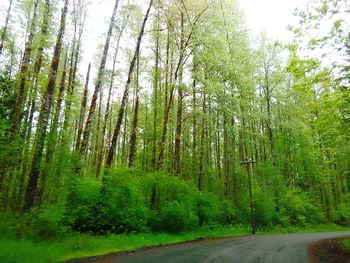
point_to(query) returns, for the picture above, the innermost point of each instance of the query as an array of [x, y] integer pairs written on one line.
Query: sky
[[271, 16]]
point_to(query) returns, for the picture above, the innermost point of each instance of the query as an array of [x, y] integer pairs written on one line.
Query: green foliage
[[346, 244], [301, 209], [342, 215], [175, 217], [82, 204], [8, 87], [38, 225], [132, 202], [264, 205]]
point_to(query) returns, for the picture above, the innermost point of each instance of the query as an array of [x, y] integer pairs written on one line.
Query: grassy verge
[[346, 244], [77, 246]]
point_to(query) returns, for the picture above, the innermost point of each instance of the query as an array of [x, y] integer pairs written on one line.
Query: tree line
[[180, 88]]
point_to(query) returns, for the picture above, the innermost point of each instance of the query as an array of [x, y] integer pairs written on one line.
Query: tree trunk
[[155, 94], [23, 72], [166, 106], [83, 108], [37, 69], [51, 142], [107, 112], [112, 149], [178, 134], [44, 116], [86, 134], [132, 151], [226, 156], [4, 32], [201, 150]]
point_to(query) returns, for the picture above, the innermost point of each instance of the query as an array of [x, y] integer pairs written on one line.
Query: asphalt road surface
[[277, 248]]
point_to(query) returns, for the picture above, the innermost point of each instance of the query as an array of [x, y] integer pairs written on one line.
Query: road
[[284, 248]]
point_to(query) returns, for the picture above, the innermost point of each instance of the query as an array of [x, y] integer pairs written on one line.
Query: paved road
[[277, 248]]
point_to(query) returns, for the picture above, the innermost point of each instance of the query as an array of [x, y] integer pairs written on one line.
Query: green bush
[[265, 208], [176, 217], [228, 213], [46, 224], [123, 208], [302, 209], [133, 202], [208, 209], [38, 225], [82, 205], [342, 215]]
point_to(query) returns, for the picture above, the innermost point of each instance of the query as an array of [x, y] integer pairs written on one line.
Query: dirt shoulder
[[328, 251]]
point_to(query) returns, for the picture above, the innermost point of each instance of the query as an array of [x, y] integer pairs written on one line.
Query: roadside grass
[[78, 246], [346, 244]]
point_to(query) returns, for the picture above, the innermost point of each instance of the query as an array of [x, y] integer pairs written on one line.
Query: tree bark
[[132, 140], [201, 149], [23, 72], [44, 116], [4, 32], [155, 93], [112, 148], [83, 108], [108, 106], [86, 134], [178, 135]]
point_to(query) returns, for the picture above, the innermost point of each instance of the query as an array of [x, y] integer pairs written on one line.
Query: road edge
[[145, 248], [328, 250]]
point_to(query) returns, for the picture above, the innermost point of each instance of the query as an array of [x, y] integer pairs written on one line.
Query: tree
[[101, 70], [4, 31], [40, 135], [112, 148]]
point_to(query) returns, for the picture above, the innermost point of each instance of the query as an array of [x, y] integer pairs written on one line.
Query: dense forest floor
[[75, 245]]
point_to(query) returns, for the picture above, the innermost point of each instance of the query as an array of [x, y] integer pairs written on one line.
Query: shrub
[[82, 205], [301, 209], [265, 210], [208, 209], [132, 202], [176, 217]]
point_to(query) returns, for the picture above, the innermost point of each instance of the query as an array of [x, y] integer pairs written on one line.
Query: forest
[[182, 121]]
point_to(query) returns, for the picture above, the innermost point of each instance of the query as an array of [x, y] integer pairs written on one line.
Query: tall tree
[[133, 134], [23, 72], [44, 115], [112, 148], [86, 134], [4, 30]]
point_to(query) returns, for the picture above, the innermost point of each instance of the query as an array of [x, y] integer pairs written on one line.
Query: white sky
[[271, 16]]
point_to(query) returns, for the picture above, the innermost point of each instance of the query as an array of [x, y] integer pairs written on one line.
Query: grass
[[346, 244], [77, 246]]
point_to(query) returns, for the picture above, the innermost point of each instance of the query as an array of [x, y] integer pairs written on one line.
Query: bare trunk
[[132, 140], [108, 106], [155, 95], [201, 149], [4, 32], [54, 125], [112, 149], [166, 106], [44, 116], [23, 72], [178, 134], [86, 134], [83, 108]]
